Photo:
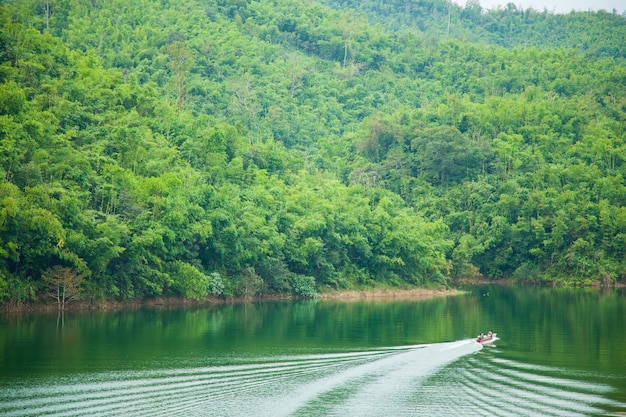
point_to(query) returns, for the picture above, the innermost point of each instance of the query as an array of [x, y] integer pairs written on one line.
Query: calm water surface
[[561, 352]]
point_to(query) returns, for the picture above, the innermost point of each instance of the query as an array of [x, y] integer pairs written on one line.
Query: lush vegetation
[[219, 147]]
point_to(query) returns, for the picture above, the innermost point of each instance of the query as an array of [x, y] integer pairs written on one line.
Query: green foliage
[[216, 284], [188, 281], [162, 148], [4, 293], [304, 286]]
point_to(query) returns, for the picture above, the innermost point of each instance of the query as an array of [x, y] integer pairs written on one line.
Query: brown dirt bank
[[387, 294]]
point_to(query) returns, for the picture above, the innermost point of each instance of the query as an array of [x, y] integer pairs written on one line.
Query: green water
[[560, 352]]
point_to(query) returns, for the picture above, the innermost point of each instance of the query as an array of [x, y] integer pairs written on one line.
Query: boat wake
[[434, 379]]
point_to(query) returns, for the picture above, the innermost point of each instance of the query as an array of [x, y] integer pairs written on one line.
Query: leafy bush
[[303, 285], [216, 283], [188, 281]]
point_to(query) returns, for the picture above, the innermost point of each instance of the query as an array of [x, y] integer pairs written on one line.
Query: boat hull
[[487, 339]]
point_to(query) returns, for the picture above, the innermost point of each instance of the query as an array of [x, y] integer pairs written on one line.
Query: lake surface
[[560, 352]]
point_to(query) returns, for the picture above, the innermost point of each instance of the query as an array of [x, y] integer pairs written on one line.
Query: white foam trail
[[392, 383]]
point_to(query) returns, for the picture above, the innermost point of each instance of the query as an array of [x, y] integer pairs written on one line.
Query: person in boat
[[489, 334], [481, 336]]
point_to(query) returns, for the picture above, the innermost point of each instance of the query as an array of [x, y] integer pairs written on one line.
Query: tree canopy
[[184, 147]]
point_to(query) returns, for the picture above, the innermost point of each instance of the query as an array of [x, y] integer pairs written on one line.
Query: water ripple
[[436, 379]]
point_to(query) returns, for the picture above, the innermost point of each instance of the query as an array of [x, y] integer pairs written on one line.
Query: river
[[561, 352]]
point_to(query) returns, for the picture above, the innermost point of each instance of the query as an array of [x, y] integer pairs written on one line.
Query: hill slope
[[187, 148]]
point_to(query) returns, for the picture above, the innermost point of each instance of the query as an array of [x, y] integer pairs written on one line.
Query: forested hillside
[[598, 34], [236, 148]]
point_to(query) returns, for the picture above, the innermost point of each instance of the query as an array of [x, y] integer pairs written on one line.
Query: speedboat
[[483, 338]]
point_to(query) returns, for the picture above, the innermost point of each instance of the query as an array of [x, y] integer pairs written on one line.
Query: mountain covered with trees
[[235, 148]]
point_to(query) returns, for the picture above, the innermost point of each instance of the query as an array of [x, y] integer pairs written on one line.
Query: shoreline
[[374, 294], [417, 294]]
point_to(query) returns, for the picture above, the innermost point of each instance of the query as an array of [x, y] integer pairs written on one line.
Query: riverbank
[[340, 295], [387, 294]]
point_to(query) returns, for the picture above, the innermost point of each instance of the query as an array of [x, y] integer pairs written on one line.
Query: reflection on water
[[454, 378], [561, 353]]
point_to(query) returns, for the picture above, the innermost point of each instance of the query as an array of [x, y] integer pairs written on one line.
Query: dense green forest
[[237, 148]]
